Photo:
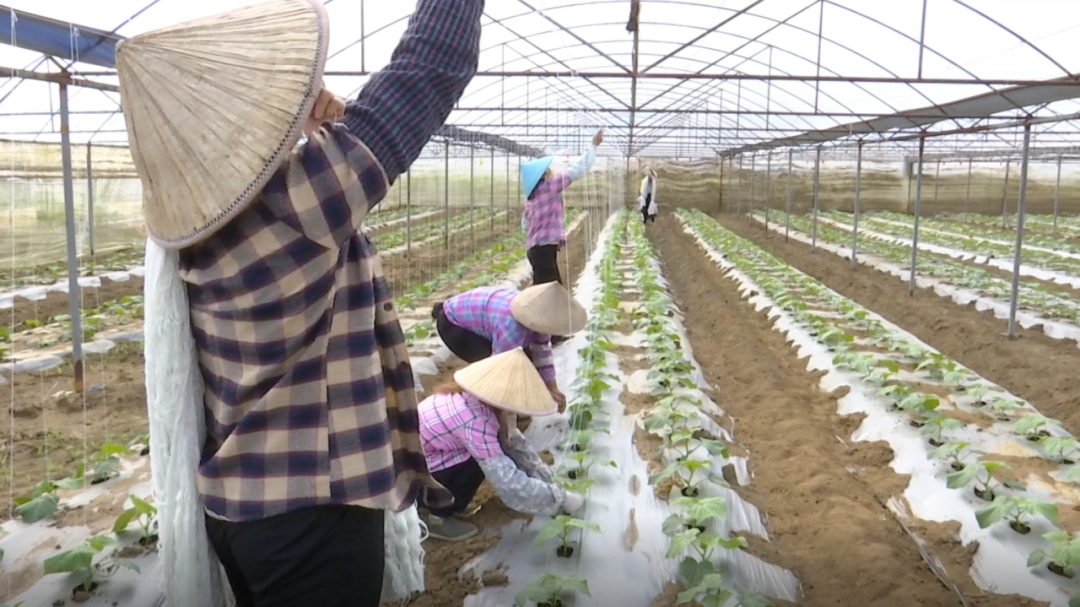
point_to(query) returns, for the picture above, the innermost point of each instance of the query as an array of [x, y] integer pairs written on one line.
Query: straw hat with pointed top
[[510, 382], [549, 309], [213, 107]]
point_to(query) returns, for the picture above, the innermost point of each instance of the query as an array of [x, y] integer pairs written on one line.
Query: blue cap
[[532, 172]]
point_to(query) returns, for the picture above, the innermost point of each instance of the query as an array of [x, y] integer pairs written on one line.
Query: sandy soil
[[824, 495]]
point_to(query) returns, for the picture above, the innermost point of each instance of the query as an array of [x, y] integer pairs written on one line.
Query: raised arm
[[404, 104], [583, 164]]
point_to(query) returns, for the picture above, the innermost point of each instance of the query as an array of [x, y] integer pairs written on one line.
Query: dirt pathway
[[1034, 367], [822, 493]]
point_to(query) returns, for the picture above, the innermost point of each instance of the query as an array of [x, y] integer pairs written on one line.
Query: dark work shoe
[[448, 529]]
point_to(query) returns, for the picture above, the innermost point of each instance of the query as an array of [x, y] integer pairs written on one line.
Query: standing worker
[[491, 320], [467, 438], [543, 217], [647, 199], [267, 309]]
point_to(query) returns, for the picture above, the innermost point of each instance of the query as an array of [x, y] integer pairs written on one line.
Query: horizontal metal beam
[[57, 78], [721, 112], [1073, 81]]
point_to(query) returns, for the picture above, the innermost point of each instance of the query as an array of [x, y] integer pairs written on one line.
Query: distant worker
[[647, 199], [543, 218], [491, 320], [267, 311], [468, 438]]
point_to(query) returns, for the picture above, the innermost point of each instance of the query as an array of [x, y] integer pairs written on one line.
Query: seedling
[[934, 425], [981, 473], [1004, 407], [1035, 426], [547, 590], [1017, 510], [585, 462], [699, 511], [713, 594], [978, 392], [79, 561], [954, 454], [560, 528], [142, 513], [1061, 448], [106, 462], [917, 401], [689, 473], [43, 501], [1063, 556]]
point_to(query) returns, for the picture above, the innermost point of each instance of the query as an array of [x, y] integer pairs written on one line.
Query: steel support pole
[[1005, 191], [408, 211], [790, 193], [768, 190], [937, 180], [491, 202], [738, 190], [720, 202], [74, 295], [1018, 252], [1057, 194], [90, 199], [472, 198], [446, 198], [967, 198], [858, 198], [508, 188], [918, 211], [817, 203], [753, 176]]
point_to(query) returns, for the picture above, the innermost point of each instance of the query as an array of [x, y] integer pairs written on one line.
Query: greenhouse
[[828, 252]]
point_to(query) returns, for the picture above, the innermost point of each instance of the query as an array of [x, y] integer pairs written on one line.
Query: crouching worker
[[492, 320], [467, 438]]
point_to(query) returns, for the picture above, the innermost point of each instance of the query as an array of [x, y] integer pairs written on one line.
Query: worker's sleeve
[[525, 222], [517, 448], [518, 491], [407, 102], [583, 164], [539, 351]]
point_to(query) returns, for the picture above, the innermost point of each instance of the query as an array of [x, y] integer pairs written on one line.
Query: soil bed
[[823, 493]]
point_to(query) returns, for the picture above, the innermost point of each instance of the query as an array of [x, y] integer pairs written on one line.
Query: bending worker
[[492, 320], [310, 410], [467, 438], [543, 218], [647, 199]]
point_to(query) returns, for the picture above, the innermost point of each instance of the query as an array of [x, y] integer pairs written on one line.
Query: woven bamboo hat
[[510, 382], [549, 309], [213, 107]]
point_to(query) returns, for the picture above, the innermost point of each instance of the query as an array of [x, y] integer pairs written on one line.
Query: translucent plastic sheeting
[[39, 292], [961, 296], [1000, 565]]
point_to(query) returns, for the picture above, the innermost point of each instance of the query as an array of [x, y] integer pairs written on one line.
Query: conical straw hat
[[213, 107], [531, 172], [510, 382], [549, 309]]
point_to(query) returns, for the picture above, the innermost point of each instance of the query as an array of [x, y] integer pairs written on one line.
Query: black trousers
[[462, 480], [465, 344], [544, 260], [331, 556]]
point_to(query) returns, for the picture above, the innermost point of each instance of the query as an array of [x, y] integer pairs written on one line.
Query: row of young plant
[[1036, 298], [89, 561], [974, 245], [677, 419], [985, 227], [923, 385], [433, 230], [50, 273], [586, 418], [496, 261], [110, 314]]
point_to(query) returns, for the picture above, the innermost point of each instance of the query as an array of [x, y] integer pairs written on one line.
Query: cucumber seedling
[[560, 528], [1063, 557], [1018, 511], [548, 590]]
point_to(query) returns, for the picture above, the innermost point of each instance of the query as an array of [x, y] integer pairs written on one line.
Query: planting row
[[1055, 311], [990, 230], [428, 230], [1065, 269], [976, 454]]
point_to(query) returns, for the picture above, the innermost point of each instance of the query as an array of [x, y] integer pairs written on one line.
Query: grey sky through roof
[[712, 76]]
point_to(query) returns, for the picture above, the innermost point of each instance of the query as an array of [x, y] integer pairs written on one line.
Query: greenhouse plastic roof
[[695, 79]]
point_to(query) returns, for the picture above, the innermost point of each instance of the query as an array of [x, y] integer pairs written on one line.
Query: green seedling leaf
[[124, 520], [749, 598], [79, 558], [681, 541], [39, 508], [692, 571]]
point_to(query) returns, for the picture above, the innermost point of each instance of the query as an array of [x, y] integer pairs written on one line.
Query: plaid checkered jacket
[[309, 393]]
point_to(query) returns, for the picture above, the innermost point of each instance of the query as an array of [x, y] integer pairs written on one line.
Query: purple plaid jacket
[[309, 393], [486, 312], [455, 427]]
